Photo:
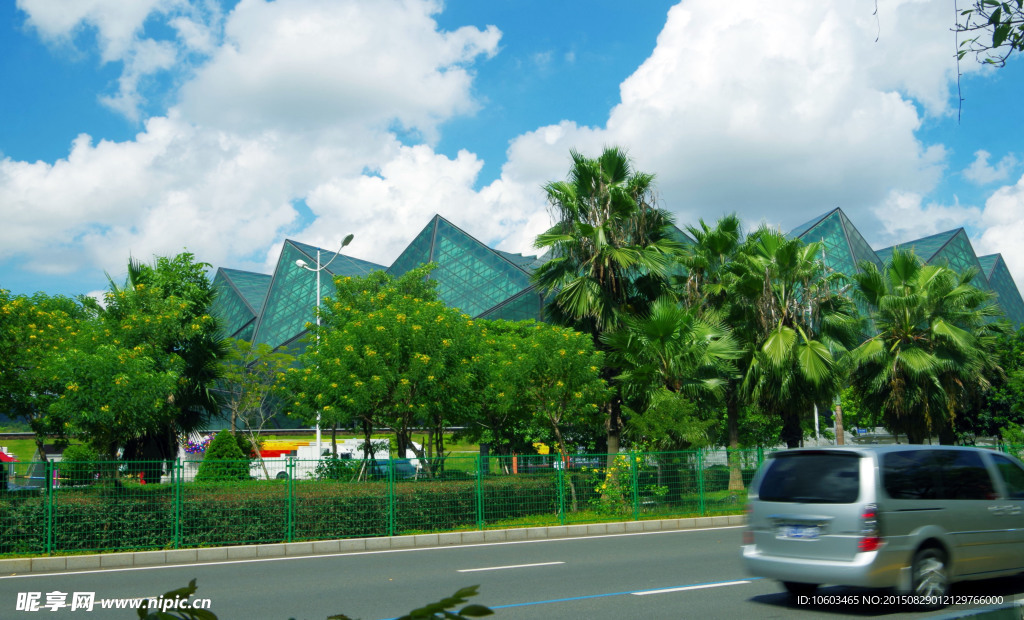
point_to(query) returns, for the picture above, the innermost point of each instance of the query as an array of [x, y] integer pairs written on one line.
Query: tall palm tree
[[799, 322], [610, 250], [706, 286], [931, 352], [672, 347]]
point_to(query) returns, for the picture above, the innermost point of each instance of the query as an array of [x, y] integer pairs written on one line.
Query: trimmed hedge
[[113, 516]]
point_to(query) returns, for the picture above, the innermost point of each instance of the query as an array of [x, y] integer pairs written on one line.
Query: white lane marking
[[474, 570], [698, 587], [357, 553]]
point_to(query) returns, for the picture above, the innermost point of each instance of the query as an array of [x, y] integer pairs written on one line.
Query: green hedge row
[[108, 517]]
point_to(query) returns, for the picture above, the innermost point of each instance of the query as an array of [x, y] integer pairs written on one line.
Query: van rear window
[[812, 478]]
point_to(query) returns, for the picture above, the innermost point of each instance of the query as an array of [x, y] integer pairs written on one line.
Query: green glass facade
[[951, 248], [1000, 280], [488, 283], [240, 296], [470, 276]]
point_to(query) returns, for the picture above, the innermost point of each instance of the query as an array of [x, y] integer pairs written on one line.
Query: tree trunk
[[732, 409], [840, 439], [791, 431], [614, 428]]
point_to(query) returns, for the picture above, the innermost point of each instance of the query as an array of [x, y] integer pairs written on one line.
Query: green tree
[[251, 376], [709, 264], [994, 29], [386, 353], [223, 460], [932, 352], [497, 416], [1002, 405], [799, 324], [611, 251], [113, 394], [32, 331], [672, 349], [165, 306]]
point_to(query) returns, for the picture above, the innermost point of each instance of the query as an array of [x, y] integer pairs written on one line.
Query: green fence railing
[[66, 507], [55, 508]]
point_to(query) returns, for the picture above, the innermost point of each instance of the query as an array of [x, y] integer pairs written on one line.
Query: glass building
[[488, 283], [845, 248]]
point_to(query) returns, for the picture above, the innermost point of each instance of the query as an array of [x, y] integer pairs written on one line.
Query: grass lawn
[[22, 449]]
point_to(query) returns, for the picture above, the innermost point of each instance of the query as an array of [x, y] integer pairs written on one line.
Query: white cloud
[[119, 29], [299, 65], [905, 216], [981, 173], [786, 109], [303, 97], [1003, 222]]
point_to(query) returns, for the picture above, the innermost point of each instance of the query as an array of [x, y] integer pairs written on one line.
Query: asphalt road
[[683, 574]]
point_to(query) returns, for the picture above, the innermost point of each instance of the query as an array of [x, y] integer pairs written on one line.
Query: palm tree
[[672, 348], [610, 250], [931, 352], [707, 287], [799, 323]]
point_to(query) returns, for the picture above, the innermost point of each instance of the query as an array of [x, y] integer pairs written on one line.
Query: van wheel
[[931, 576], [800, 589]]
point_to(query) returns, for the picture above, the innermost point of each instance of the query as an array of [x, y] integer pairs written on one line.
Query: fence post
[[760, 456], [391, 497], [560, 481], [635, 478], [700, 480], [177, 474], [479, 491], [49, 506], [290, 498]]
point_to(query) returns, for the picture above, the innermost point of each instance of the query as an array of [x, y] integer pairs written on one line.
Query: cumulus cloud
[[301, 99], [1003, 222], [784, 109], [906, 216], [308, 64], [981, 173], [119, 28]]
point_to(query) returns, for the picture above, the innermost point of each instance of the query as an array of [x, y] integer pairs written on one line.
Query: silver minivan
[[911, 517]]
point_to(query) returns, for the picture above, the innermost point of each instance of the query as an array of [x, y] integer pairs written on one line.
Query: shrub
[[78, 465], [223, 460]]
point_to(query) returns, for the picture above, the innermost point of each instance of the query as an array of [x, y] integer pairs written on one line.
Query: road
[[681, 574]]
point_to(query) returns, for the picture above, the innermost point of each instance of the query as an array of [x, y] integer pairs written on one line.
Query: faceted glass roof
[[292, 298], [239, 296], [845, 248], [1000, 280], [951, 248], [470, 276], [494, 284], [528, 304]]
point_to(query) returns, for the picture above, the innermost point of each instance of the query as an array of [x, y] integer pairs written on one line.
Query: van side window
[[910, 475], [964, 475], [1012, 474]]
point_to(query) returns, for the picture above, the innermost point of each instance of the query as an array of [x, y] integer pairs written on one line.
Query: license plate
[[799, 532]]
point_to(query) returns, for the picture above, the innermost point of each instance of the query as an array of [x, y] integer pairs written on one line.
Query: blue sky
[[223, 128]]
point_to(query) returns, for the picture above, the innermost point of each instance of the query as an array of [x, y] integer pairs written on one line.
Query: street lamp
[[301, 263]]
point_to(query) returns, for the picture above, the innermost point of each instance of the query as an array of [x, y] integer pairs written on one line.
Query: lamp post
[[301, 263]]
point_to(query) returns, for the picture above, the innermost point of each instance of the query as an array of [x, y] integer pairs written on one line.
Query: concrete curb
[[349, 545], [1008, 611]]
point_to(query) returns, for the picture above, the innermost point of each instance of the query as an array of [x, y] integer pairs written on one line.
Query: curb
[[349, 545], [1009, 611]]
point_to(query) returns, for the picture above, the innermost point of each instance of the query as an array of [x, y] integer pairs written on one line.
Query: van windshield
[[812, 478]]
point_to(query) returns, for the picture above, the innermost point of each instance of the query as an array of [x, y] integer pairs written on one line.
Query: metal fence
[[66, 507]]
